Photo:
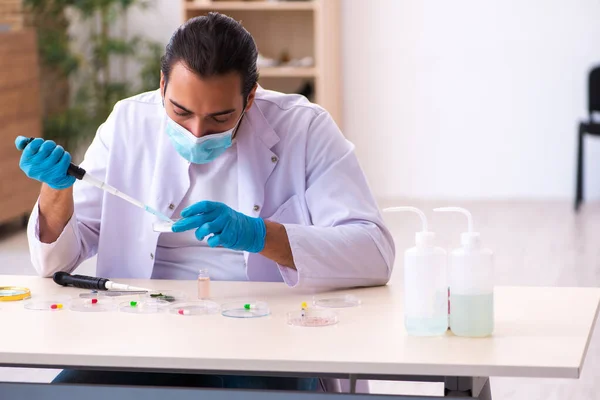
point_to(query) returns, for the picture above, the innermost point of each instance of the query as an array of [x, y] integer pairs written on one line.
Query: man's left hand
[[231, 229]]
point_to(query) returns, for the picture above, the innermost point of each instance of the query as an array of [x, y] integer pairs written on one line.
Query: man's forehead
[[183, 77]]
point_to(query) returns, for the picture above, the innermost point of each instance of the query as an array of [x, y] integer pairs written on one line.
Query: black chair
[[590, 127]]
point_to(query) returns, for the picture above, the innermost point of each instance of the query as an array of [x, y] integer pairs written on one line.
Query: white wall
[[467, 98], [157, 23], [459, 99]]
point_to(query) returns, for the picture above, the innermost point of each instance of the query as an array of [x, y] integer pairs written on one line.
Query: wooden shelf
[[290, 30], [250, 5], [287, 72]]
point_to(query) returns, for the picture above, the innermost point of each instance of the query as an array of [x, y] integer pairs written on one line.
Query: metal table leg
[[476, 388]]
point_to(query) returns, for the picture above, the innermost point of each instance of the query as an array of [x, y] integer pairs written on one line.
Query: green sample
[[161, 296]]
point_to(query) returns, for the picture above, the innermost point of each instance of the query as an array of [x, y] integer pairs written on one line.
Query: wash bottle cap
[[423, 238], [469, 238]]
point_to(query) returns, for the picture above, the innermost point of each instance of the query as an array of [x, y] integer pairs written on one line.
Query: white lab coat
[[295, 168]]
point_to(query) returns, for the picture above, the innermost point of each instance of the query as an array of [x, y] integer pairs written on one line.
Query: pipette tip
[[158, 214]]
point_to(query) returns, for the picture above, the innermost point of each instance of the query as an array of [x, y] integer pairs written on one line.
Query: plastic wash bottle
[[425, 286], [471, 282]]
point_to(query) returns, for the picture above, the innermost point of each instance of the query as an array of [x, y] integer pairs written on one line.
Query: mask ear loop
[[239, 123]]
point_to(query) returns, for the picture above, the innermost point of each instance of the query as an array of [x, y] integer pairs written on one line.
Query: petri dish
[[170, 296], [101, 304], [245, 309], [149, 306], [163, 226], [167, 227], [49, 303], [202, 307], [337, 301], [312, 318], [14, 293]]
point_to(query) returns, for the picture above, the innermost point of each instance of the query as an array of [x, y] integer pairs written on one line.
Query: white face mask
[[199, 150]]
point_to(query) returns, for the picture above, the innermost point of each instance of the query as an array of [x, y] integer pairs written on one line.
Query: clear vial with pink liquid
[[203, 284]]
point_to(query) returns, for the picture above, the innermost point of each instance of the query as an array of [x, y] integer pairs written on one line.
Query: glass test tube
[[203, 284]]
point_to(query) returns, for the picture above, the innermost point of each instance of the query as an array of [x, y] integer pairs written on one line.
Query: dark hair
[[213, 45]]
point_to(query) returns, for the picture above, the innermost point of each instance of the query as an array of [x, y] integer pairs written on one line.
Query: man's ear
[[163, 86], [251, 97]]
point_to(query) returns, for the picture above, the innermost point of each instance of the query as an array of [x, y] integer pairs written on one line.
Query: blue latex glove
[[46, 162], [231, 229]]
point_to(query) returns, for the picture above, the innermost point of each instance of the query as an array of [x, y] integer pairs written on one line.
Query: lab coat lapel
[[171, 178], [256, 161]]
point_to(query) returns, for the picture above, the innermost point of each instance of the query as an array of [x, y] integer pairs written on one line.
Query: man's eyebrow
[[215, 114], [180, 106]]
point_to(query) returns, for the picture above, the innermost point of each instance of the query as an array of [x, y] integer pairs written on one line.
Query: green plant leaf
[[121, 47], [97, 90], [150, 61]]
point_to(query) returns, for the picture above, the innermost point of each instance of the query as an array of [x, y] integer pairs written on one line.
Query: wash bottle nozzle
[[423, 238], [469, 238]]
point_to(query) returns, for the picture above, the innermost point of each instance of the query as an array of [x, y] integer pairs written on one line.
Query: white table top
[[540, 332]]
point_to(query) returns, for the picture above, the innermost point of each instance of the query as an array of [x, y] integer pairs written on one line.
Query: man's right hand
[[46, 162]]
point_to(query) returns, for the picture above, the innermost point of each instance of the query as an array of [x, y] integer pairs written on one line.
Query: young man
[[266, 177]]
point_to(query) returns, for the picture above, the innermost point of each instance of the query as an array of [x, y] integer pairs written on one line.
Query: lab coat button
[[151, 256], [274, 159], [171, 206], [256, 207]]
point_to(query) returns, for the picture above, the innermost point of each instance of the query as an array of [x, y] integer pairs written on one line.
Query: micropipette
[[99, 184], [90, 282], [80, 173]]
